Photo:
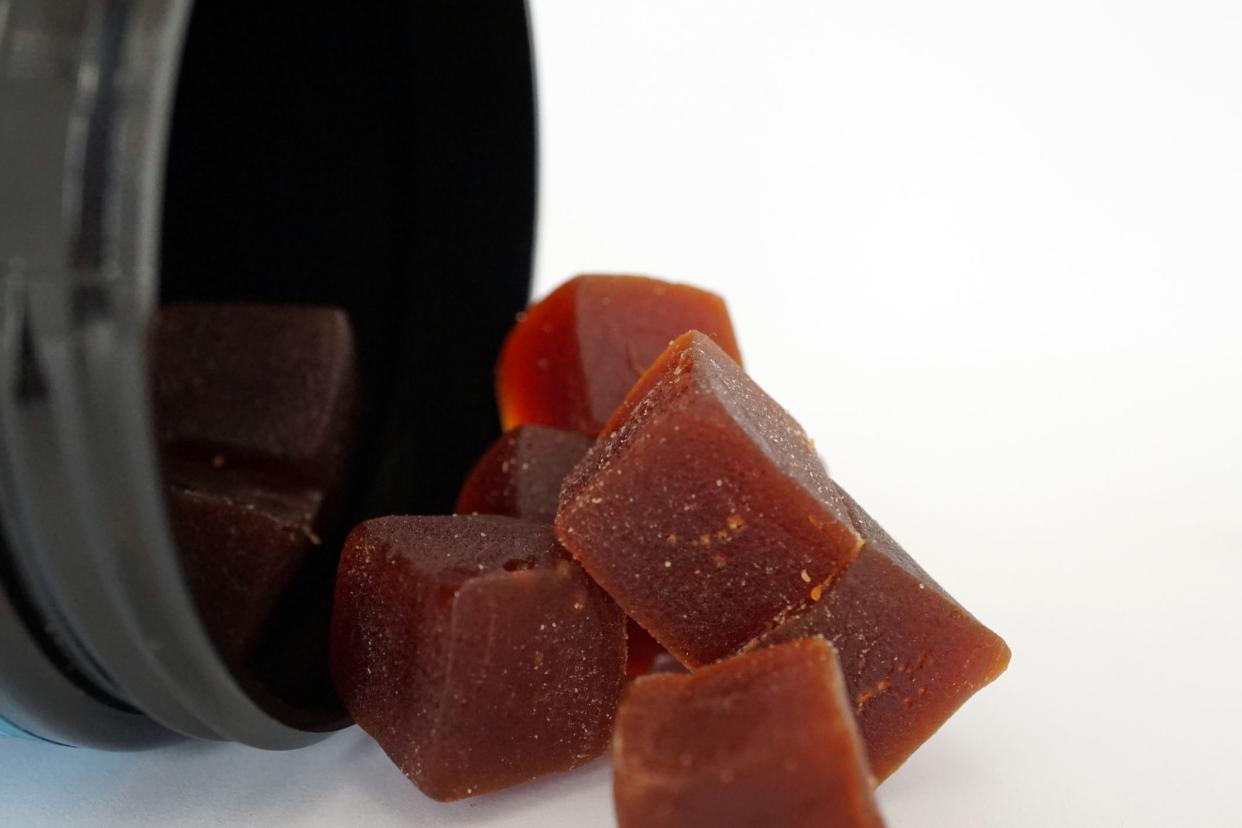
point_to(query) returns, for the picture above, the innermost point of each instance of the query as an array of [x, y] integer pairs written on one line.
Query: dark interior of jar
[[378, 157]]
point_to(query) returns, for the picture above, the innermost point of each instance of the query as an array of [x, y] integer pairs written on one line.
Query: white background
[[990, 254]]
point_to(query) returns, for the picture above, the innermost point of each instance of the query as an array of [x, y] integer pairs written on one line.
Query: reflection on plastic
[[7, 728]]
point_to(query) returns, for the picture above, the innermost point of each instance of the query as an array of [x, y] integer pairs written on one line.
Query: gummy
[[766, 738], [266, 385], [240, 549], [254, 408], [474, 651], [573, 356], [704, 509]]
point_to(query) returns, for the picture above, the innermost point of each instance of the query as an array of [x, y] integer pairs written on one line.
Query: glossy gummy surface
[[573, 356]]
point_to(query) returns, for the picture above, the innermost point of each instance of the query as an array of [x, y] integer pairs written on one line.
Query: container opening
[[378, 158]]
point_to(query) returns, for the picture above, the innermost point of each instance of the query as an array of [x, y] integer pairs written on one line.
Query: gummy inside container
[[316, 156]]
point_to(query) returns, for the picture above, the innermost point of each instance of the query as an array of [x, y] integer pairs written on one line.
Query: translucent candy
[[571, 359], [910, 653], [766, 738], [642, 649], [704, 509], [474, 651]]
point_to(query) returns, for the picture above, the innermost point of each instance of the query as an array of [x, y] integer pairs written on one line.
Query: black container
[[376, 156]]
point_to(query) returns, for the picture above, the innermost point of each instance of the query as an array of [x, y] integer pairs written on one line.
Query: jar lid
[[381, 159]]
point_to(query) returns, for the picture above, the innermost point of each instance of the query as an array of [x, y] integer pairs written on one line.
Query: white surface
[[990, 255]]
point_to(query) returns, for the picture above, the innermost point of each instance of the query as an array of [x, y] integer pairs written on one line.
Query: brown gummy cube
[[266, 384], [573, 356], [474, 651], [240, 549], [703, 509], [910, 653], [521, 474], [762, 739]]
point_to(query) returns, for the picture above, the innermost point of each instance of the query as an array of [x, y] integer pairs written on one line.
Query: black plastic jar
[[375, 156]]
